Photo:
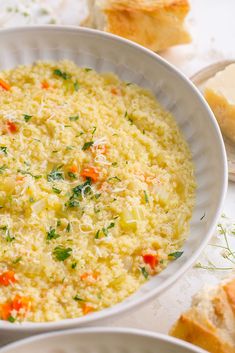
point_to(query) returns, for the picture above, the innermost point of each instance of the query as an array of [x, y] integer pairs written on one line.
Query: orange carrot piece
[[20, 302], [86, 309], [150, 260], [90, 172], [5, 311], [45, 85], [12, 127], [7, 278], [5, 85], [86, 275], [19, 178], [100, 149], [73, 169]]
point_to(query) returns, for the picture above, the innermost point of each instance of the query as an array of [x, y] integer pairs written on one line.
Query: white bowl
[[133, 63], [101, 340]]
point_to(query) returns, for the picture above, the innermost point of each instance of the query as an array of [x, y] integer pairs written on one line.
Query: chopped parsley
[[25, 172], [3, 149], [11, 319], [72, 175], [85, 187], [87, 69], [3, 168], [17, 260], [114, 164], [74, 118], [144, 272], [204, 215], [87, 145], [76, 86], [97, 234], [58, 223], [176, 254], [146, 197], [55, 174], [77, 298], [56, 191], [68, 228], [27, 117], [9, 237], [114, 178], [94, 130], [72, 204], [3, 227], [61, 254], [74, 265], [61, 74], [52, 234], [106, 230]]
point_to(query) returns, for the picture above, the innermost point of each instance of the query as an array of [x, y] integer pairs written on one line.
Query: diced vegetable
[[4, 85], [12, 127], [45, 85], [90, 172], [7, 278], [73, 169], [86, 309], [150, 260]]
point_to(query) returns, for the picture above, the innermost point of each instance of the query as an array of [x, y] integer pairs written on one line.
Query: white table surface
[[212, 25]]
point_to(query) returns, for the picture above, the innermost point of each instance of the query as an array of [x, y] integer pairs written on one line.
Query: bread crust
[[155, 24], [210, 324]]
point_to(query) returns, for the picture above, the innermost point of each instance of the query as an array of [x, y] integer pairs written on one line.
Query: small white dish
[[101, 340], [133, 63], [200, 79]]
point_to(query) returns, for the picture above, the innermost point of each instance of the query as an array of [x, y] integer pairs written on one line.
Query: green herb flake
[[24, 172], [3, 227], [106, 230], [176, 254], [144, 272], [11, 319], [27, 117], [114, 178], [72, 204], [94, 130], [17, 260], [74, 265], [97, 234], [87, 69], [3, 149], [77, 298], [56, 191], [58, 223], [68, 228], [3, 168], [31, 199], [203, 216], [55, 174], [61, 253], [61, 74], [114, 164], [74, 118], [87, 145], [146, 197], [72, 175], [52, 234], [9, 238], [76, 86]]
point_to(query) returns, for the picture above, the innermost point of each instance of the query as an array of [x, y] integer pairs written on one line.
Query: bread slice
[[155, 24], [210, 323]]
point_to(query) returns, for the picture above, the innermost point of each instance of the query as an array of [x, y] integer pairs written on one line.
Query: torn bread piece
[[210, 323], [155, 24]]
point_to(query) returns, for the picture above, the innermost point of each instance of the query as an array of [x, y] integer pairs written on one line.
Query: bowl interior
[[101, 340], [133, 63]]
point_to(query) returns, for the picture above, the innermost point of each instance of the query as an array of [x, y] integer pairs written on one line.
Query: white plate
[[133, 63], [101, 340], [200, 79]]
